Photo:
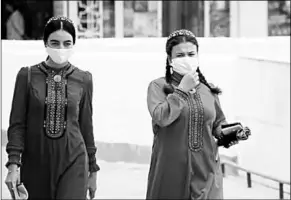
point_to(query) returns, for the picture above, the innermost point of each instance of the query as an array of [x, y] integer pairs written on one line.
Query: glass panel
[[219, 19], [140, 19], [278, 18], [108, 19], [193, 17], [90, 18], [33, 13]]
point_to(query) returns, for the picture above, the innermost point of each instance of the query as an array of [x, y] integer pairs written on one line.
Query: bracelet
[[10, 171]]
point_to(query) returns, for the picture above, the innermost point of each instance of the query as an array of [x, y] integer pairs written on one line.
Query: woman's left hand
[[92, 184]]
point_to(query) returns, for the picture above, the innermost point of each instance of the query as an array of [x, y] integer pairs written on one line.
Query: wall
[[253, 18], [253, 73]]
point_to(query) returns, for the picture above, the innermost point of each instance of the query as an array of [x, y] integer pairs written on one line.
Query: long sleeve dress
[[51, 131], [184, 162]]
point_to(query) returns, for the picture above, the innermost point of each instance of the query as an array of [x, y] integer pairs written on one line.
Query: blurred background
[[244, 49], [111, 19]]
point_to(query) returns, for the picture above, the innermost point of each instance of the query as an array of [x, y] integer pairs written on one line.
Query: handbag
[[232, 133], [19, 192]]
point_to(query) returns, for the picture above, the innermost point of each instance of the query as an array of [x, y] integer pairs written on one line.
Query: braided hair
[[175, 38]]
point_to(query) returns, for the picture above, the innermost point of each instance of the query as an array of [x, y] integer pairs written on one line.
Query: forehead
[[184, 47], [60, 35]]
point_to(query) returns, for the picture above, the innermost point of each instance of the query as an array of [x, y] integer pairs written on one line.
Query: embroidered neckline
[[196, 119], [56, 105], [56, 101], [49, 68]]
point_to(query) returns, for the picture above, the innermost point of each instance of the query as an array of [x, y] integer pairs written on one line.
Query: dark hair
[[59, 23], [173, 41]]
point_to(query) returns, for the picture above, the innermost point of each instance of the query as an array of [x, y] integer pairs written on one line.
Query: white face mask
[[185, 65], [59, 56]]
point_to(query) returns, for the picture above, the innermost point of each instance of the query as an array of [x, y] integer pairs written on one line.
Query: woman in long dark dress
[[50, 136], [186, 118]]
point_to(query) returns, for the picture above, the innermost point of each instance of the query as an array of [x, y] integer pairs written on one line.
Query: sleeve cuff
[[179, 94], [14, 158], [93, 167], [217, 132]]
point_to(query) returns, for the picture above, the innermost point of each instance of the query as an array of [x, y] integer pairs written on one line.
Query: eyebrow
[[186, 52], [59, 41]]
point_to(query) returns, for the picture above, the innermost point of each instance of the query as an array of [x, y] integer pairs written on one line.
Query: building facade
[[159, 18], [105, 19]]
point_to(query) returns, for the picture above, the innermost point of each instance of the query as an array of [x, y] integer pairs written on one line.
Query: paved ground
[[128, 181]]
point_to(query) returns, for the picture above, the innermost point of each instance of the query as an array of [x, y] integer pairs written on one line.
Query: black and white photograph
[[145, 99]]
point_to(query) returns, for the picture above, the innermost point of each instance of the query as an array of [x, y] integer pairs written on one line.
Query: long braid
[[168, 72], [202, 79], [168, 88]]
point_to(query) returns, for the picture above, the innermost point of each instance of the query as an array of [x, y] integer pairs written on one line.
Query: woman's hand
[[92, 184], [189, 81], [13, 177]]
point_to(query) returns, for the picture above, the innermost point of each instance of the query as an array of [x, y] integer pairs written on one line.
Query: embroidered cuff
[[180, 92], [14, 158], [93, 167], [217, 133]]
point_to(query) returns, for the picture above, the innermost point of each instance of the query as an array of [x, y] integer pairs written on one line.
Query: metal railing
[[250, 172]]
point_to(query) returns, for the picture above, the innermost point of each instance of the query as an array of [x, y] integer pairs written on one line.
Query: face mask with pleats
[[185, 65], [59, 56]]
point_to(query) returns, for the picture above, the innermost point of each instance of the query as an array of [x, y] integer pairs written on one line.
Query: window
[[278, 18], [140, 19], [219, 19], [90, 19], [183, 15], [108, 19]]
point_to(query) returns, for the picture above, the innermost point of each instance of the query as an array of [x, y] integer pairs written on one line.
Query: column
[[253, 18], [60, 8], [234, 19], [72, 11], [119, 19], [206, 19], [160, 18]]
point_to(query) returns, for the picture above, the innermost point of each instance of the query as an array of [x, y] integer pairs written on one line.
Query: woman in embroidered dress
[[50, 136], [186, 114]]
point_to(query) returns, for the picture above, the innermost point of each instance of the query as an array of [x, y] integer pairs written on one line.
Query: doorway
[[183, 15], [35, 15]]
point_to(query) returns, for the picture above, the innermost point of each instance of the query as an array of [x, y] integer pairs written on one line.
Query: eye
[[180, 55], [67, 44], [192, 53], [54, 43]]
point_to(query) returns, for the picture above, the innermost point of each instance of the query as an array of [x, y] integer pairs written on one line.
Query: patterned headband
[[181, 32], [59, 18]]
